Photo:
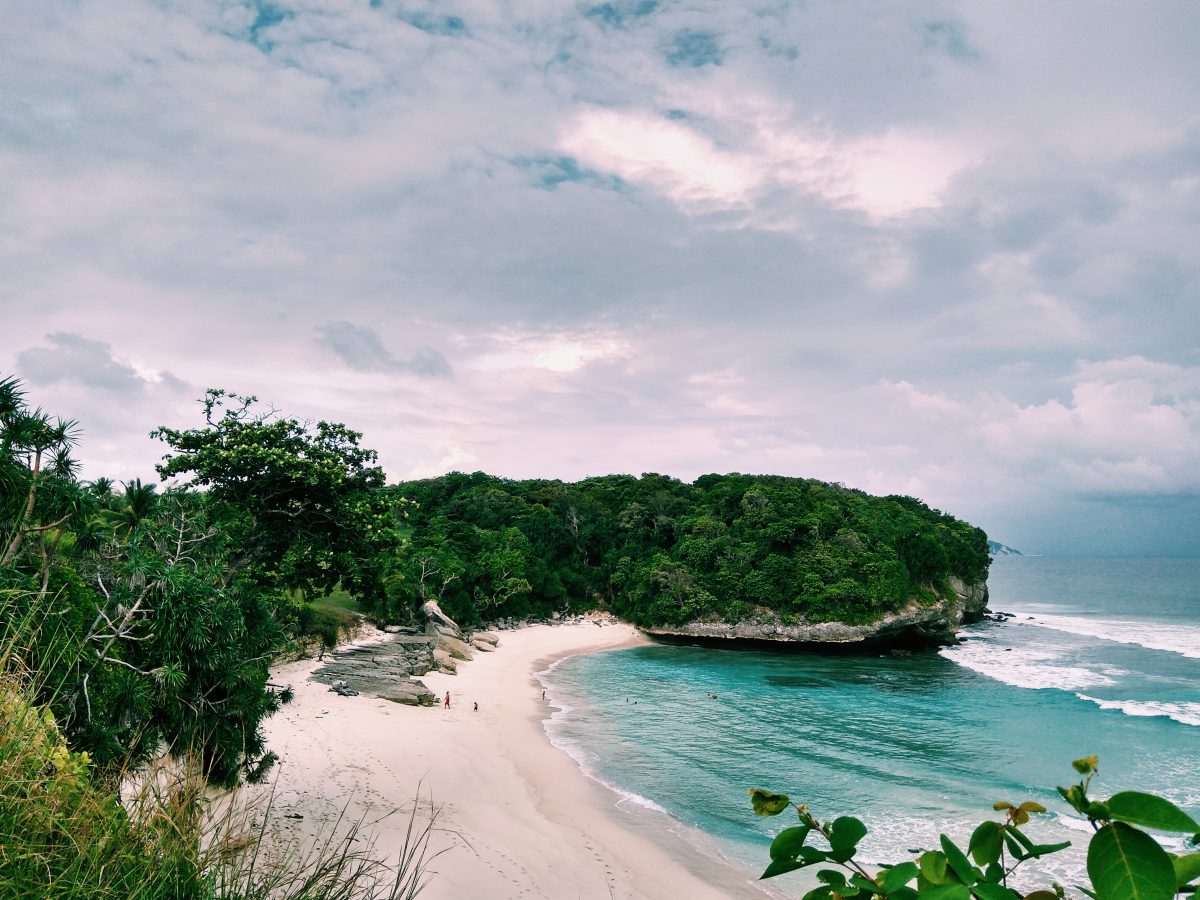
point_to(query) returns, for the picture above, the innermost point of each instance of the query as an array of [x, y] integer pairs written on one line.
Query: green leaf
[[864, 884], [832, 877], [1046, 849], [898, 876], [1150, 811], [1075, 796], [1020, 836], [779, 867], [933, 866], [788, 842], [989, 890], [1127, 864], [1042, 895], [846, 832], [1018, 852], [820, 893], [986, 842], [1097, 810], [959, 864], [947, 892], [1187, 868], [767, 804], [812, 855]]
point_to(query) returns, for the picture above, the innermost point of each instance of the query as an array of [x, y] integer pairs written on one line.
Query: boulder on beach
[[444, 662], [452, 645]]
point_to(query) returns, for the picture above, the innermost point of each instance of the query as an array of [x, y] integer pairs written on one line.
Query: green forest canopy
[[658, 551]]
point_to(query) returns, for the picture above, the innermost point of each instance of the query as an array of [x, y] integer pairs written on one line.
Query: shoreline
[[518, 815]]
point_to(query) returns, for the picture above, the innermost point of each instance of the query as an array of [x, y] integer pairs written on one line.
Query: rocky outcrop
[[381, 670], [916, 625], [973, 596]]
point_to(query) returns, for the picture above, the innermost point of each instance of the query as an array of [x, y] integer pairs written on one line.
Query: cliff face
[[915, 625]]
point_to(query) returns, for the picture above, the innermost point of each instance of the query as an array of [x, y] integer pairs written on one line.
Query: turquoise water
[[1103, 657]]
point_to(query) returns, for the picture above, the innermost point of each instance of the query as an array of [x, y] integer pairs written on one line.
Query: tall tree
[[303, 505]]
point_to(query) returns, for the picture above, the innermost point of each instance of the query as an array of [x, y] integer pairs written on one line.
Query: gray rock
[[482, 646], [487, 637], [435, 617], [410, 693], [381, 669], [444, 662], [916, 624], [456, 648]]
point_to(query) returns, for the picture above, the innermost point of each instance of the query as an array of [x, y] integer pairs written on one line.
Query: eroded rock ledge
[[915, 626]]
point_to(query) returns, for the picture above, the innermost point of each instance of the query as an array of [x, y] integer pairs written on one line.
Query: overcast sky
[[943, 249]]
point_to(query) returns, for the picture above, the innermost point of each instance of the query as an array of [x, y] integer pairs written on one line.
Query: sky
[[949, 250]]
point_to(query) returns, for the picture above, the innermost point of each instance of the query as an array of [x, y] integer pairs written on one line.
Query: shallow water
[[1103, 657]]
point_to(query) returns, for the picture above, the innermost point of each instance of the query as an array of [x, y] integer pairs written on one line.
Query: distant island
[[995, 548]]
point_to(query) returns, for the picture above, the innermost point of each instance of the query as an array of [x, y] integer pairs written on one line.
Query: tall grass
[[156, 833]]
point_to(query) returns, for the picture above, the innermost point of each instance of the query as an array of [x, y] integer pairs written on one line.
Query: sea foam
[[1025, 667], [1173, 637], [1185, 712]]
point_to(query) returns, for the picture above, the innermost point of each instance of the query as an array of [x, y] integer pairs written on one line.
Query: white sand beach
[[518, 818]]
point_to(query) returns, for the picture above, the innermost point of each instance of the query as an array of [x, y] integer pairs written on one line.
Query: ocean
[[1102, 657]]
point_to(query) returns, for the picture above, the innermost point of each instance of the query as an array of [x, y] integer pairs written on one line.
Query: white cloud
[[885, 175]]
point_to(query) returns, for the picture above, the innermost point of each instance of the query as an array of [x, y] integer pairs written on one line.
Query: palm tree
[[35, 451], [138, 503]]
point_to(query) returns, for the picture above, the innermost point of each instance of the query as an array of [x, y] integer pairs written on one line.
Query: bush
[[1123, 861]]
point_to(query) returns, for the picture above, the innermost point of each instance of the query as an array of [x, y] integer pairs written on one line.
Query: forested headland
[[658, 551]]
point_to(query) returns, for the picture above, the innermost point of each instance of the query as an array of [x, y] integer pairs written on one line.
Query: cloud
[[360, 348], [74, 358], [694, 49], [883, 175], [868, 245]]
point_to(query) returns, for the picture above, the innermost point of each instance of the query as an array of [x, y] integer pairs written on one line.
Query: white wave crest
[[1186, 712], [1025, 667], [1174, 637]]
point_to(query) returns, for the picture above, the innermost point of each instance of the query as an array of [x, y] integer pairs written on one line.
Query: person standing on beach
[[447, 703]]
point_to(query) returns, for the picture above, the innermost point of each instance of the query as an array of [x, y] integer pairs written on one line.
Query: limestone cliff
[[916, 625]]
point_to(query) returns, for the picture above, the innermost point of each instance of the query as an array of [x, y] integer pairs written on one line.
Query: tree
[[303, 505], [38, 489], [35, 469]]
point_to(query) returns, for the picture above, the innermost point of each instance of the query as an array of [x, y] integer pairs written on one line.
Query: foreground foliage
[[70, 830], [1123, 861]]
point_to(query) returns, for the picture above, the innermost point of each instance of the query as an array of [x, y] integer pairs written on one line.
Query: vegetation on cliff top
[[658, 551]]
